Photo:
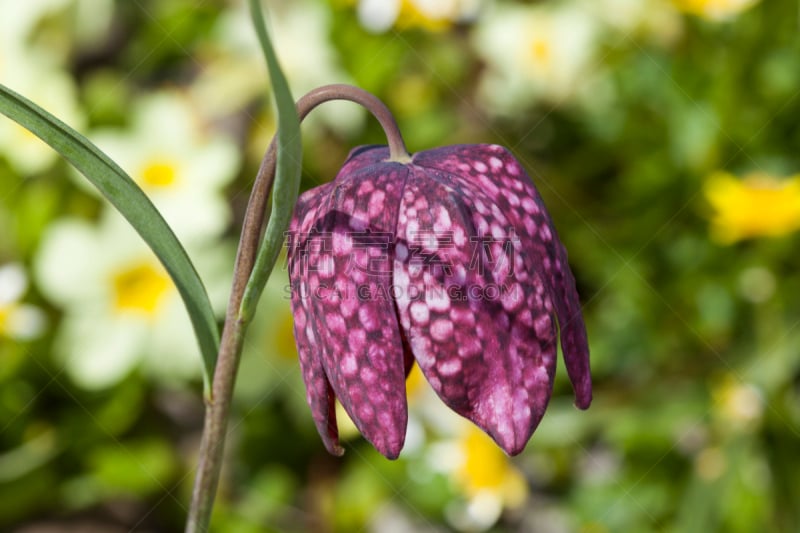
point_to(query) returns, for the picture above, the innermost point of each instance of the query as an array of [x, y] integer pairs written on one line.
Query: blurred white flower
[[179, 164], [534, 52], [52, 90], [18, 321], [235, 74], [757, 284], [17, 19], [121, 310], [92, 20], [432, 15], [738, 405], [658, 20], [35, 74]]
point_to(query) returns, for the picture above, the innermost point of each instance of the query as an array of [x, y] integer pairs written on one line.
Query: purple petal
[[349, 277], [499, 175], [574, 344], [484, 356], [479, 304], [319, 393]]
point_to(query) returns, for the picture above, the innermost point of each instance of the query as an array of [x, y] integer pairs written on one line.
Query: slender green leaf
[[287, 175], [133, 204]]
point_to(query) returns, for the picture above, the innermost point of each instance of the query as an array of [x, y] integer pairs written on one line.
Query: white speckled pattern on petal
[[348, 273], [451, 259]]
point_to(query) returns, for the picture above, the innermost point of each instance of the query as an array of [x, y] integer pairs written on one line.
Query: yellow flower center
[[140, 288], [541, 52], [159, 173], [5, 311]]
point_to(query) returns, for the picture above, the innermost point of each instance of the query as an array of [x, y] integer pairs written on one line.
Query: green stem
[[250, 275], [212, 444]]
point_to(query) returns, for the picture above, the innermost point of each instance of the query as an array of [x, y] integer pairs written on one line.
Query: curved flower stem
[[397, 147], [264, 263], [256, 208], [239, 312]]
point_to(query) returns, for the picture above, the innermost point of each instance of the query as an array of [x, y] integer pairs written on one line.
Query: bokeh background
[[663, 136]]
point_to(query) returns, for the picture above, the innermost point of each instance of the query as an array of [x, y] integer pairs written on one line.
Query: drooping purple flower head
[[450, 261]]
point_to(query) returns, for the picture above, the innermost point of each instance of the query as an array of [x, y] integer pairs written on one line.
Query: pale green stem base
[[212, 444]]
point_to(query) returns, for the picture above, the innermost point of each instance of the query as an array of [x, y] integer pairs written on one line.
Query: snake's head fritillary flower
[[449, 260]]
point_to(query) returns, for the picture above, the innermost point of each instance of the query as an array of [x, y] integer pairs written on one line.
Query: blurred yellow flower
[[18, 321], [760, 205], [487, 469], [715, 9], [480, 472], [487, 478], [430, 15], [433, 15], [738, 405]]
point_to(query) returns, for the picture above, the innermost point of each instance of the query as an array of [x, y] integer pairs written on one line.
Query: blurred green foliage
[[695, 343]]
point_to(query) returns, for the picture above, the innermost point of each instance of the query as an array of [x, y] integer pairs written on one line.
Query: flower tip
[[336, 451], [515, 450], [513, 447], [333, 447], [583, 392], [390, 454], [390, 448], [511, 443], [583, 401]]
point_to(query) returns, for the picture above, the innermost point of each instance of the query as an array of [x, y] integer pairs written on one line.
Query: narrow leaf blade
[[287, 175]]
